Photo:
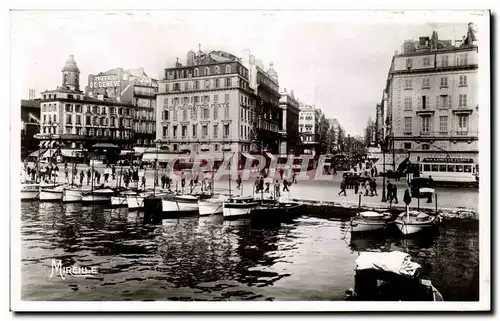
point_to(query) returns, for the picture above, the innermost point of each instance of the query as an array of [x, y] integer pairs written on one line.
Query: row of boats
[[134, 199], [407, 222]]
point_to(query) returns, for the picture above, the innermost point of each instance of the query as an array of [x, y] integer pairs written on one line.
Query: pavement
[[326, 190]]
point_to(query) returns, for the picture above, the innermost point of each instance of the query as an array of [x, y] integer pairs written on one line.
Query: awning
[[105, 145]]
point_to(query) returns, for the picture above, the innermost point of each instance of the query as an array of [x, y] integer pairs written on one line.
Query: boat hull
[[119, 201], [238, 210], [52, 195], [413, 227], [135, 202], [30, 192], [363, 226], [178, 206], [210, 207], [72, 195]]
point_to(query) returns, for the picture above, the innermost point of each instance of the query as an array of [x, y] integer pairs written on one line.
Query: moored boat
[[390, 276], [73, 194], [412, 222], [51, 193], [180, 203], [369, 221], [120, 198], [211, 206], [30, 191], [101, 195], [239, 206]]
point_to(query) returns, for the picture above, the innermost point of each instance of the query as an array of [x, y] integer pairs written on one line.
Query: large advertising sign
[[104, 81]]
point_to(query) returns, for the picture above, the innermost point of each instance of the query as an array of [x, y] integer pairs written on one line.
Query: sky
[[339, 65]]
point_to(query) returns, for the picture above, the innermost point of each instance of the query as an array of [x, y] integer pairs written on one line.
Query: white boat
[[239, 206], [51, 193], [102, 195], [120, 200], [370, 221], [73, 194], [211, 206], [180, 203], [30, 191], [412, 222], [135, 202]]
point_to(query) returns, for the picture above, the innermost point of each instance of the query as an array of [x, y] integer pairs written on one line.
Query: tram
[[450, 170]]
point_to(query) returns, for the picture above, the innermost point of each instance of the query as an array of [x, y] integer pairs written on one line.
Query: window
[[194, 128], [55, 118], [78, 119], [426, 83], [175, 114], [206, 99], [408, 84], [87, 120], [207, 84], [443, 124], [186, 86], [165, 131], [463, 81], [462, 59], [44, 119], [228, 69], [196, 99], [226, 110], [206, 113], [174, 133], [204, 130], [184, 114], [68, 119], [434, 168], [229, 82], [207, 71], [451, 168], [165, 115], [444, 61], [427, 61], [196, 72], [425, 147], [407, 103], [463, 121], [444, 82], [217, 70], [216, 130], [69, 108], [216, 112], [216, 147], [217, 83], [216, 98], [408, 124], [426, 124], [462, 101], [184, 131], [241, 113], [194, 113], [427, 167], [467, 168], [423, 102], [177, 87], [197, 85], [442, 168], [226, 130]]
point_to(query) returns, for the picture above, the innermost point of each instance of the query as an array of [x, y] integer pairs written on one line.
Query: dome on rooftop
[[70, 65]]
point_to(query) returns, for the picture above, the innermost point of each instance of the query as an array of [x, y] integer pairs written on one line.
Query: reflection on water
[[209, 258]]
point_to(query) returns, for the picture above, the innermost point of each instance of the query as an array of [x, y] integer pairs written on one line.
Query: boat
[[180, 203], [73, 194], [135, 202], [369, 221], [266, 206], [30, 191], [411, 222], [120, 199], [100, 195], [212, 206], [51, 192], [390, 276], [239, 206]]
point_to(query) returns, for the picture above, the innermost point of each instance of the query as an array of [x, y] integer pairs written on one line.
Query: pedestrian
[[261, 183], [367, 187], [395, 193], [389, 191], [89, 174], [342, 187], [66, 174], [257, 184], [268, 185], [277, 189], [238, 182], [373, 187], [431, 185], [163, 181], [294, 178], [183, 180], [106, 175], [143, 183], [82, 176], [285, 185], [126, 180], [98, 177]]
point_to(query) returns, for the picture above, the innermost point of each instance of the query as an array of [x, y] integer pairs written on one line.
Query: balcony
[[422, 111]]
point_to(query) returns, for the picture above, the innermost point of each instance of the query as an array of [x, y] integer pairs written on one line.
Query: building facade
[[206, 106], [290, 123], [267, 122], [309, 128], [433, 99], [133, 87], [30, 121], [70, 121]]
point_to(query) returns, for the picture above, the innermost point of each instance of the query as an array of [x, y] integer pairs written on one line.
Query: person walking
[[277, 190], [431, 185], [373, 187], [342, 187], [89, 174], [367, 187], [163, 181], [285, 185], [66, 173], [395, 193], [238, 181], [357, 184], [143, 182]]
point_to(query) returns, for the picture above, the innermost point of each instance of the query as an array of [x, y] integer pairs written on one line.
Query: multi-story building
[[30, 120], [71, 120], [134, 87], [268, 119], [432, 97], [335, 133], [309, 128], [205, 106], [290, 123]]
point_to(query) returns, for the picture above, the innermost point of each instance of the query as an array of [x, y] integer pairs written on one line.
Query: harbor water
[[309, 257]]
